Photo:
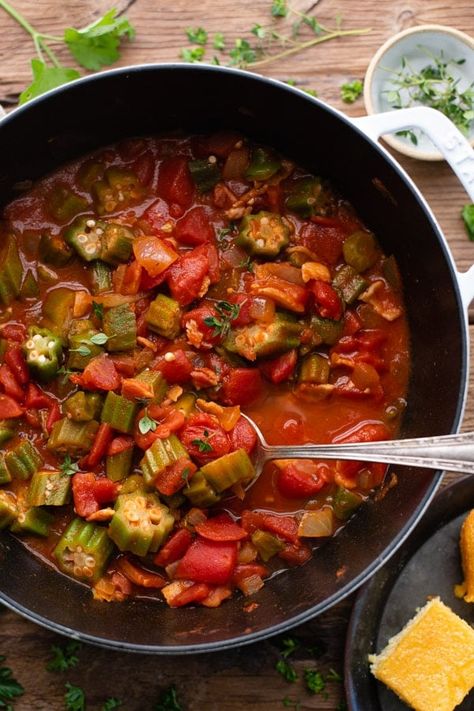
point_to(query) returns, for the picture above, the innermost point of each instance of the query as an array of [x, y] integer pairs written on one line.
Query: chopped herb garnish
[[351, 90], [185, 474], [408, 134], [468, 217], [74, 698], [111, 704], [333, 675], [279, 8], [193, 54], [197, 35], [147, 424], [98, 310], [227, 313], [247, 264], [99, 339], [289, 646], [287, 671], [315, 682], [202, 445], [68, 467], [223, 232], [64, 657], [291, 703], [83, 351], [219, 41], [168, 701], [9, 687], [64, 371]]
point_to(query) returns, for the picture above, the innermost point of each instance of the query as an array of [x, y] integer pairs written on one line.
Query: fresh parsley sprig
[[351, 90], [10, 688], [63, 657], [74, 698], [92, 47], [168, 701], [468, 217]]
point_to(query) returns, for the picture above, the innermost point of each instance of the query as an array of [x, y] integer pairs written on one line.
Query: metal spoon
[[453, 452]]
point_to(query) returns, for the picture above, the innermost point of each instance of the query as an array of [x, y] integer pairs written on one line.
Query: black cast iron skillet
[[95, 111]]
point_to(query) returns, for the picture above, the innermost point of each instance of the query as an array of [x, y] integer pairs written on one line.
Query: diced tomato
[[327, 301], [243, 436], [194, 228], [186, 276], [101, 443], [36, 398], [243, 571], [175, 476], [284, 526], [120, 444], [244, 302], [221, 528], [199, 333], [175, 184], [168, 417], [195, 593], [371, 339], [130, 148], [54, 415], [295, 554], [14, 332], [89, 492], [156, 216], [210, 250], [218, 144], [133, 388], [274, 198], [300, 479], [144, 168], [100, 374], [9, 408], [204, 438], [33, 418], [241, 386], [211, 562], [9, 383], [124, 364], [15, 359], [352, 323], [279, 369], [174, 548], [325, 241], [138, 576], [367, 432], [175, 371]]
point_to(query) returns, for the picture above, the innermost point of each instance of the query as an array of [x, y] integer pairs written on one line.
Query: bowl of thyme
[[427, 65]]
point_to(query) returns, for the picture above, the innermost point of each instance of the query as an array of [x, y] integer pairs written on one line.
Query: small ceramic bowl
[[415, 46]]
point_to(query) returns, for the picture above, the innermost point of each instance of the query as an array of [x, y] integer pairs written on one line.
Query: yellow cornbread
[[466, 544], [430, 663]]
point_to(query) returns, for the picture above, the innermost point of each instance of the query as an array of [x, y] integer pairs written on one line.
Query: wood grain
[[245, 677]]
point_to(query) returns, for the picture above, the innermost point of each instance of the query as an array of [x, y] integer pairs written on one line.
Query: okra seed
[[33, 355], [30, 344], [260, 243], [37, 337], [82, 238], [99, 231], [264, 221], [90, 561], [51, 344], [212, 159], [90, 223], [154, 516], [311, 201], [167, 227], [42, 359], [90, 249], [169, 357]]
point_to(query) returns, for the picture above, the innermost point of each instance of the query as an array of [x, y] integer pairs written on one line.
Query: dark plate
[[427, 564]]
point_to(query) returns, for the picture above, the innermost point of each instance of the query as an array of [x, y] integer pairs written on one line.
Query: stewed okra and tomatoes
[[150, 293]]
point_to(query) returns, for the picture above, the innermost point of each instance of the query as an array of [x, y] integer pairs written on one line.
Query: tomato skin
[[120, 444], [15, 359], [352, 323], [100, 445], [195, 593], [284, 526], [210, 562], [174, 548], [194, 228], [281, 368], [100, 374], [246, 570], [300, 479], [241, 386], [221, 528], [9, 383], [325, 241], [175, 371], [139, 576], [210, 336], [156, 215], [195, 429], [175, 476], [37, 399], [175, 184], [243, 436], [185, 277], [327, 301], [53, 416], [9, 408], [144, 168]]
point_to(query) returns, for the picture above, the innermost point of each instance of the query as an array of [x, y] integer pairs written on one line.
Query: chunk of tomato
[[89, 492], [175, 371], [186, 276], [174, 548], [221, 528], [194, 228], [327, 301], [283, 526], [298, 480], [243, 436], [241, 386], [211, 562], [9, 408], [325, 241], [175, 476], [279, 369], [204, 438], [175, 184], [100, 374]]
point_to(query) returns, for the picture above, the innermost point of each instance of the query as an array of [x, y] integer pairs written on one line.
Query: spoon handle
[[452, 452]]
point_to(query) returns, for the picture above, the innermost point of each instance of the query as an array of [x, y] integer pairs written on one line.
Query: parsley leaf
[[202, 445], [64, 657], [168, 701], [198, 35], [315, 682], [287, 671], [408, 134], [289, 646], [194, 54], [9, 687], [242, 53], [147, 424], [468, 217], [98, 44], [46, 78], [74, 698], [351, 90], [111, 704], [68, 468], [333, 675], [291, 704], [219, 41], [98, 310], [279, 8]]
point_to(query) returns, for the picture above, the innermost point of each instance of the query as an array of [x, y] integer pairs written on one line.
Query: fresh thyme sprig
[[226, 313]]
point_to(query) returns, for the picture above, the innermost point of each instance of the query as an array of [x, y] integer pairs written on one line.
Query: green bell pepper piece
[[43, 352], [264, 234], [84, 550], [205, 174], [141, 523], [120, 325], [264, 163], [11, 271], [345, 503]]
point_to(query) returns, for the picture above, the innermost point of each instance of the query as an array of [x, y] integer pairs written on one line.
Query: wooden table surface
[[244, 677]]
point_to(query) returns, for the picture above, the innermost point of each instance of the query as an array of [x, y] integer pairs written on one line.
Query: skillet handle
[[451, 143]]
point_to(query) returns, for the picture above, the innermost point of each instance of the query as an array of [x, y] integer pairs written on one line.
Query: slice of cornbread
[[430, 663], [466, 544]]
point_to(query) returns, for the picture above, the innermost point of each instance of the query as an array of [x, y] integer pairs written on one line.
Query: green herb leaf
[[468, 217], [193, 54], [333, 675], [64, 657], [10, 688], [202, 445], [64, 371], [99, 339], [111, 704], [279, 8], [226, 313], [287, 671], [98, 310], [291, 703], [198, 35], [185, 474], [259, 31], [74, 698], [315, 682], [147, 424], [46, 78], [68, 468], [242, 54], [289, 646], [408, 134], [83, 351], [168, 701], [219, 41], [350, 91], [98, 44]]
